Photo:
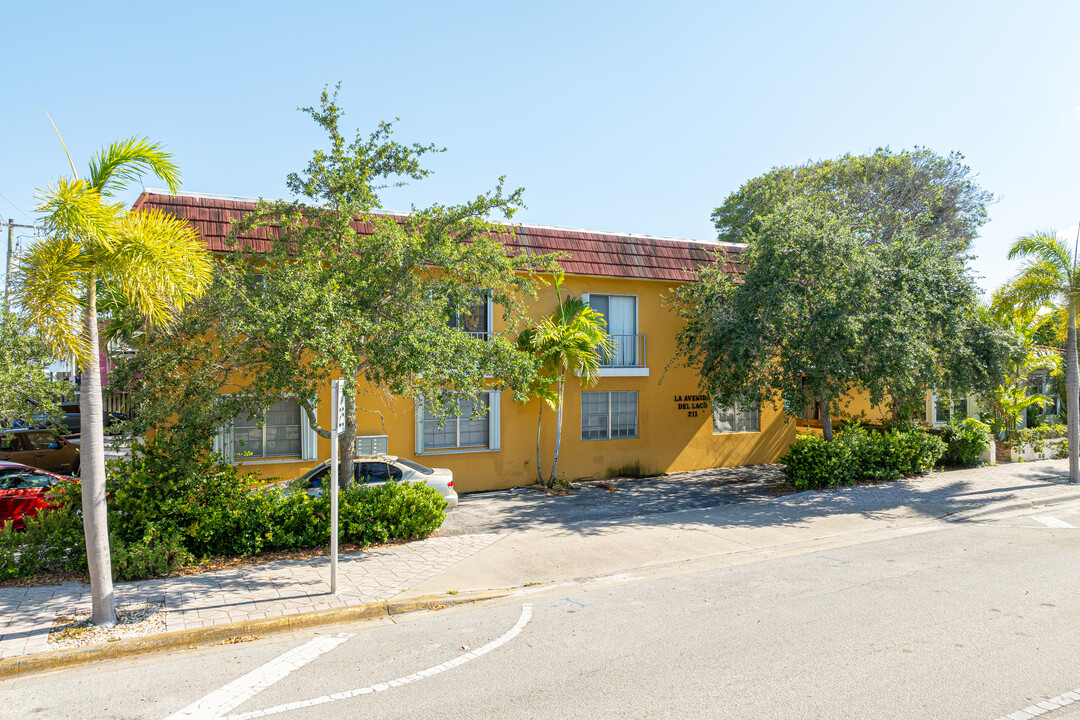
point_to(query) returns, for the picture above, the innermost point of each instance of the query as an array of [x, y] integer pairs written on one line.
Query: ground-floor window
[[279, 431], [467, 423], [947, 410], [609, 415], [740, 417], [275, 432]]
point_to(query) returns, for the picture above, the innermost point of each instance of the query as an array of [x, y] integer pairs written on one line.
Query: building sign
[[692, 403]]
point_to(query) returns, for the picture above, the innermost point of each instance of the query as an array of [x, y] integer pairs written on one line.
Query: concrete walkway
[[510, 538]]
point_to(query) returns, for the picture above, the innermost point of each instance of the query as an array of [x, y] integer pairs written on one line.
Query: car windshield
[[415, 466], [23, 479]]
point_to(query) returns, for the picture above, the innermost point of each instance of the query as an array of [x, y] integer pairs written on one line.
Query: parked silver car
[[375, 469]]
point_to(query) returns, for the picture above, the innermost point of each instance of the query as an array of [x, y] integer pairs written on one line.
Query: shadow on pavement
[[749, 496]]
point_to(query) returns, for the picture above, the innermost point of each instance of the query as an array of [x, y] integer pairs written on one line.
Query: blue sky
[[636, 117]]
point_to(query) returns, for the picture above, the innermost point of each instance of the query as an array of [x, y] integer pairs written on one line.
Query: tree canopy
[[25, 390], [341, 289], [854, 276]]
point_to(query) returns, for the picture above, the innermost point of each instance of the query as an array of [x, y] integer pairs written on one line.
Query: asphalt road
[[974, 620]]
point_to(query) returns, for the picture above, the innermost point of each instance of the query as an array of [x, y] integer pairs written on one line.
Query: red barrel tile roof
[[590, 252]]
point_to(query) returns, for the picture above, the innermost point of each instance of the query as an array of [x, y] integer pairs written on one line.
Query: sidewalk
[[508, 539]]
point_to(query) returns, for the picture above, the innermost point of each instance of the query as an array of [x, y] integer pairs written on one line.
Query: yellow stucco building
[[643, 409]]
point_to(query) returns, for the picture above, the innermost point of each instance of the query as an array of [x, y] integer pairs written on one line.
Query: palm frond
[[1046, 247], [49, 285], [74, 210], [158, 264], [1037, 284], [124, 161]]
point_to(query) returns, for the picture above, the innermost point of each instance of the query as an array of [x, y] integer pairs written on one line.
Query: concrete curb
[[183, 639], [1007, 506]]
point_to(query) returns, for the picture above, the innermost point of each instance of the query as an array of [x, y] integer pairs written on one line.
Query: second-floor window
[[474, 318], [620, 312]]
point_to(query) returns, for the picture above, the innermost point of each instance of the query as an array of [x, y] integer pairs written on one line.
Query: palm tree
[[1049, 276], [153, 260], [573, 338], [1027, 323]]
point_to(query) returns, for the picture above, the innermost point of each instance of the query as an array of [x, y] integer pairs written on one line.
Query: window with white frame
[[947, 410], [740, 417], [280, 431], [474, 318], [621, 314], [609, 415], [467, 423]]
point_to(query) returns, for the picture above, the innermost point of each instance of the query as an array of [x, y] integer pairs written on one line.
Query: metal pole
[[10, 264], [335, 392]]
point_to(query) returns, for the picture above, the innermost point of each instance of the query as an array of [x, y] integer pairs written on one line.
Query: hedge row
[[164, 514], [858, 453]]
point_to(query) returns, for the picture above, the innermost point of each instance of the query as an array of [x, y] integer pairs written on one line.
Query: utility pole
[[11, 260]]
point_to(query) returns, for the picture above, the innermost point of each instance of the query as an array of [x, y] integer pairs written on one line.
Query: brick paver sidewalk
[[245, 593]]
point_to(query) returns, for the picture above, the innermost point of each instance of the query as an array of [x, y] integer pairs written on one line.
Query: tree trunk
[[347, 439], [826, 420], [539, 419], [92, 470], [1072, 397], [558, 431]]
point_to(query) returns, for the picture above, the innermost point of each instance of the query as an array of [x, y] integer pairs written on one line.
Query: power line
[[16, 207]]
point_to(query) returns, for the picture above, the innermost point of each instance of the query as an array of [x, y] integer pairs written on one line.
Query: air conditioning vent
[[372, 444]]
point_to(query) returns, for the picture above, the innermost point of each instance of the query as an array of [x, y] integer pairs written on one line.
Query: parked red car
[[24, 491]]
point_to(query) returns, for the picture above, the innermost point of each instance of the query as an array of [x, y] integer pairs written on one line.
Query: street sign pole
[[338, 426]]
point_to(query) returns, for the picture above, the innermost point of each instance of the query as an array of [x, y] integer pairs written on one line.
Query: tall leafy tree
[[154, 261], [906, 221], [338, 290], [788, 327], [1049, 276], [571, 339], [921, 211], [25, 390]]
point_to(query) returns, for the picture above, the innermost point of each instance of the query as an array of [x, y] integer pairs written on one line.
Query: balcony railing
[[627, 351], [478, 335]]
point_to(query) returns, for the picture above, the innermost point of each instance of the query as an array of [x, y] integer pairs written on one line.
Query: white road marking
[[526, 616], [239, 691], [1051, 521], [1045, 706]]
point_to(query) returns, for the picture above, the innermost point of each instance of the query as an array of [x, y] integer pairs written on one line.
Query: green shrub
[[164, 514], [811, 462], [965, 443], [159, 552], [1037, 436], [859, 453], [52, 543]]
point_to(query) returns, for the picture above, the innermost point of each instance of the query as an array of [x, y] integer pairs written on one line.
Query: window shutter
[[494, 423], [419, 426], [309, 439], [223, 442]]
